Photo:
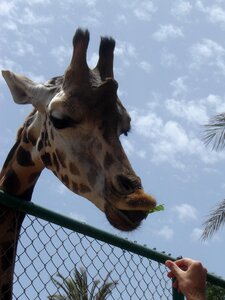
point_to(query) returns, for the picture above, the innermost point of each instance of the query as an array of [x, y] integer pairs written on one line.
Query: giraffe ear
[[26, 91]]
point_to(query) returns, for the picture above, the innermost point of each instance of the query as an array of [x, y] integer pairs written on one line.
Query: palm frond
[[214, 133], [215, 220], [81, 282], [106, 288], [70, 289], [60, 285], [94, 286], [76, 287]]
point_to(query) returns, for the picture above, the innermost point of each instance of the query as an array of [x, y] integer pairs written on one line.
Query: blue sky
[[170, 65]]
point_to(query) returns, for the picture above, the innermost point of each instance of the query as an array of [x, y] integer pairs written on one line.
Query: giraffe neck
[[20, 171], [18, 177]]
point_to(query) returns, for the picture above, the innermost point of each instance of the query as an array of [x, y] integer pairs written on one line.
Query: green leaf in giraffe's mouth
[[157, 208]]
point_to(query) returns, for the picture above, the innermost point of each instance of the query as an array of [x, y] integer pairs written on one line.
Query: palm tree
[[214, 221], [215, 132], [214, 292], [215, 136], [76, 287]]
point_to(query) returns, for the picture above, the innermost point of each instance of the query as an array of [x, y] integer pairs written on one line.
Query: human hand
[[190, 277]]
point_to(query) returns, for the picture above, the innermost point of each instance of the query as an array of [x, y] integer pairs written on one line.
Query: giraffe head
[[75, 133]]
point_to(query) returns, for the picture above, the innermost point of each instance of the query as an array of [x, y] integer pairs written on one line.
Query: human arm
[[190, 277]]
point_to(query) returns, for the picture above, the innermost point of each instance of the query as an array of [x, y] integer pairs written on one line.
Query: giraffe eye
[[59, 123]]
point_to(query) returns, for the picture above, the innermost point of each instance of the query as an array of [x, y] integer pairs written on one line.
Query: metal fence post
[[176, 295]]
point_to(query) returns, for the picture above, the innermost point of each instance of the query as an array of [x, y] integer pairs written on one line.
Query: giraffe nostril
[[128, 185]]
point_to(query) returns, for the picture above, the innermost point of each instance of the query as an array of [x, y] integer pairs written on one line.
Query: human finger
[[173, 268], [186, 262], [170, 274]]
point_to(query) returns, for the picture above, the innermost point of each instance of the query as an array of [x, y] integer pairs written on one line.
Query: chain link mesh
[[46, 249]]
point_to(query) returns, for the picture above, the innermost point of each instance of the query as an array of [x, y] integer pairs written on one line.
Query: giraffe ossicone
[[74, 131]]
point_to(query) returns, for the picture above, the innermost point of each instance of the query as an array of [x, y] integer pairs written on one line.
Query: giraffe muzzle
[[127, 212], [137, 201], [130, 194]]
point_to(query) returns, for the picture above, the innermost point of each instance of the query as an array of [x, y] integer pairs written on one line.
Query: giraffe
[[74, 131]]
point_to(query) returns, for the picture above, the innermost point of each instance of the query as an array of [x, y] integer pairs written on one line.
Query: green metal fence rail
[[51, 243]]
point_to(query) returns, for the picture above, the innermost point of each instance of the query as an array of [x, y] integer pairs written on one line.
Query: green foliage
[[215, 133], [215, 220], [77, 288], [157, 208], [215, 136], [214, 292]]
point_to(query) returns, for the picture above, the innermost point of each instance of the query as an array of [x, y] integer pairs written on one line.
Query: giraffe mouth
[[126, 212], [124, 220]]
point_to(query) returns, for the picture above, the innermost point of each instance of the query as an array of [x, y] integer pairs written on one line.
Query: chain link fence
[[51, 244], [46, 249]]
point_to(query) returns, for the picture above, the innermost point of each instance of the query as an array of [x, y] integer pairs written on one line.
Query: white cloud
[[90, 3], [78, 217], [214, 13], [126, 52], [147, 125], [93, 60], [185, 212], [189, 110], [6, 8], [91, 20], [61, 189], [23, 48], [170, 141], [180, 88], [141, 153], [131, 149], [124, 48], [10, 25], [200, 5], [128, 146], [8, 64], [181, 8], [215, 103], [36, 77], [166, 139], [144, 10], [33, 2], [168, 59], [176, 134], [175, 145], [144, 65], [62, 54], [122, 19], [166, 232], [194, 111], [196, 234], [29, 18], [208, 53], [166, 32]]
